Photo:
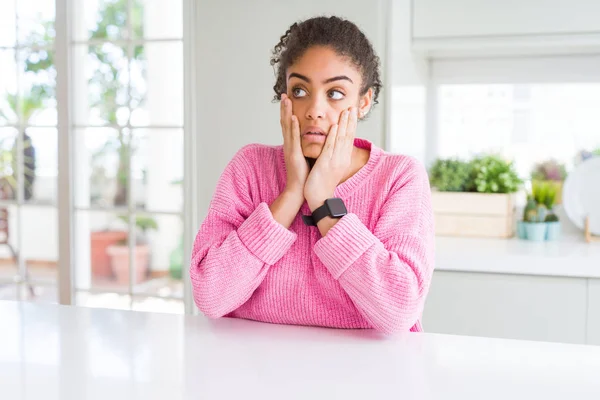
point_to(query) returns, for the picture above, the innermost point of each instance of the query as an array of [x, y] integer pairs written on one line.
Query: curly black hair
[[341, 35]]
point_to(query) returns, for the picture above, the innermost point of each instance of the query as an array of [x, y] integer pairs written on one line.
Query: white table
[[68, 353]]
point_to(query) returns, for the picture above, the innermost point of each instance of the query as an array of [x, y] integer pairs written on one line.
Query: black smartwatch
[[334, 208]]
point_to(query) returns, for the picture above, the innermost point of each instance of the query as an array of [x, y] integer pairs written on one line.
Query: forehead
[[320, 63]]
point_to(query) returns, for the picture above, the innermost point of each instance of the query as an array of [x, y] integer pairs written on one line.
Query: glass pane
[[9, 243], [100, 20], [101, 85], [527, 123], [8, 87], [40, 155], [98, 235], [35, 22], [159, 255], [157, 19], [39, 293], [8, 291], [102, 163], [8, 20], [157, 84], [157, 169], [39, 243], [8, 163], [37, 104]]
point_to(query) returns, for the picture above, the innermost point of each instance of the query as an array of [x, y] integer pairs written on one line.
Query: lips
[[313, 130]]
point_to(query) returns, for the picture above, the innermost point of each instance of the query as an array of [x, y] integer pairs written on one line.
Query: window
[[527, 123], [128, 135], [526, 109], [28, 151], [127, 132]]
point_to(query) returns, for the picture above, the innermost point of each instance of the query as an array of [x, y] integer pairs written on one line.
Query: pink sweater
[[372, 269]]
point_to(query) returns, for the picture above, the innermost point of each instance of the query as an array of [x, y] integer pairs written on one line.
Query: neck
[[359, 159]]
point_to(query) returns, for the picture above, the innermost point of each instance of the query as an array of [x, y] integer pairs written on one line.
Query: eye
[[298, 92], [336, 95]]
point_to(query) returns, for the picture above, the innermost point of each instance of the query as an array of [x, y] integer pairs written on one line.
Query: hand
[[334, 162], [295, 162]]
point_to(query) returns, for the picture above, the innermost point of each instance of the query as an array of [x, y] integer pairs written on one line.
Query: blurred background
[[118, 116]]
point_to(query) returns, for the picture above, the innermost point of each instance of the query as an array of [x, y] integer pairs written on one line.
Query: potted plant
[[119, 252], [540, 222], [550, 170], [474, 198]]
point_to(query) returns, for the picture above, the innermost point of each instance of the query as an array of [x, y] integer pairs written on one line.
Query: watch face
[[336, 207]]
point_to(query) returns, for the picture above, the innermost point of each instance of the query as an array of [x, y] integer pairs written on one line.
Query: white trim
[[124, 42], [191, 220], [65, 176], [132, 127], [130, 192], [532, 69], [522, 45]]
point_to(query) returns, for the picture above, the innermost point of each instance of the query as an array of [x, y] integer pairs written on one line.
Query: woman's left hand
[[333, 163]]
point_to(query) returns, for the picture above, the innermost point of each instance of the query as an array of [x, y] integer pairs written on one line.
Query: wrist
[[317, 200], [291, 195]]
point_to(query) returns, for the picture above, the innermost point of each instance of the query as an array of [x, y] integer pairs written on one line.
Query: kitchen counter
[[70, 353], [570, 256]]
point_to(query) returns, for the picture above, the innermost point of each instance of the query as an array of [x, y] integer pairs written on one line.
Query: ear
[[365, 103]]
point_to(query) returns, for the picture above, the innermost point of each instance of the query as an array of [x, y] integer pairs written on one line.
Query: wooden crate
[[474, 214]]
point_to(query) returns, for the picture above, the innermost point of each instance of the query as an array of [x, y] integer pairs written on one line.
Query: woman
[[328, 229]]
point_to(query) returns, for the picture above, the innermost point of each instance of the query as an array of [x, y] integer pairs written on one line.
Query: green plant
[[492, 174], [541, 201], [530, 211], [450, 175], [144, 224], [550, 170], [545, 192]]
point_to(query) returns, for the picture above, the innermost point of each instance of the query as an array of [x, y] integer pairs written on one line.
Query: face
[[321, 85]]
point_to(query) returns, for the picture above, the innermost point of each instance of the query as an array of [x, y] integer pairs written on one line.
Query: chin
[[312, 151]]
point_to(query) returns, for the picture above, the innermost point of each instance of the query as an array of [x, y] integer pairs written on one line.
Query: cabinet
[[437, 19], [511, 306], [593, 320]]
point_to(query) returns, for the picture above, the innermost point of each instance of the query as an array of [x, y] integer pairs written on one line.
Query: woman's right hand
[[295, 162]]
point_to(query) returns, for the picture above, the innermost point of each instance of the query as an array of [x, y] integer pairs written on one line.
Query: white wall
[[235, 79]]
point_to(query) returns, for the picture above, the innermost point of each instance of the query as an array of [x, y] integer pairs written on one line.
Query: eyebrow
[[329, 80]]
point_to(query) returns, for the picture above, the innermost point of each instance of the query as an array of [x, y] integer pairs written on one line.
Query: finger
[[343, 124], [350, 133], [282, 111], [296, 133], [352, 123], [327, 151], [286, 117], [340, 142]]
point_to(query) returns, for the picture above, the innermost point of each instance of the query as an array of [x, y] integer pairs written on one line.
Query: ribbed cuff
[[264, 237], [345, 242]]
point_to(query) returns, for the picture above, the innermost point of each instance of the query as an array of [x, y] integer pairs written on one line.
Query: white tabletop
[[68, 353]]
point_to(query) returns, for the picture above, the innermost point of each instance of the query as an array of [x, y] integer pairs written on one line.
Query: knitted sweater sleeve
[[387, 272], [237, 242]]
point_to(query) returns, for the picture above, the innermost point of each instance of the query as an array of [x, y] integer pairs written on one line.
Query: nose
[[316, 109]]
